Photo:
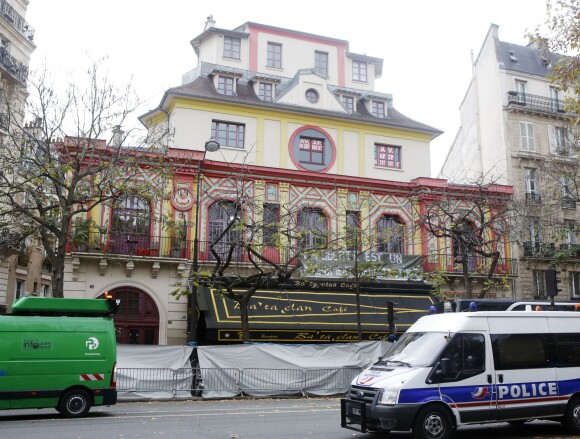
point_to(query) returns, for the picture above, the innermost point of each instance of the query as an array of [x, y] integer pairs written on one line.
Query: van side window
[[521, 351], [466, 355], [568, 350]]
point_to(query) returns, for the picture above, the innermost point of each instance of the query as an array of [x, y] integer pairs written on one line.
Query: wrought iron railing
[[536, 249], [17, 20], [16, 69], [476, 264], [573, 249], [535, 102], [534, 198], [172, 247]]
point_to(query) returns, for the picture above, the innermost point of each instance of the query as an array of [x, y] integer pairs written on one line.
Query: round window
[[312, 96]]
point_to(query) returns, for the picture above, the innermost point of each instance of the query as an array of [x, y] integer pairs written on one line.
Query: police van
[[455, 369], [58, 353]]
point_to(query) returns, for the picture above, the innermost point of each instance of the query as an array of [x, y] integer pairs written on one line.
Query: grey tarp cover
[[279, 369], [153, 370]]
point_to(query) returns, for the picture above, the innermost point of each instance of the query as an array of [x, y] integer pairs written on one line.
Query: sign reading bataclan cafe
[[322, 307]]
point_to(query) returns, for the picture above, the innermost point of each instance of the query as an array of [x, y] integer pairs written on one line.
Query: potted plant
[[80, 234]]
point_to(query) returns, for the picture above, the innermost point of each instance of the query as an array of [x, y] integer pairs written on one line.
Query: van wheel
[[433, 422], [75, 403], [572, 417]]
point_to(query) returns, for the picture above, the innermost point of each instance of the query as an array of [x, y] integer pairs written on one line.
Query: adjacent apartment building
[[290, 121], [21, 266], [516, 130]]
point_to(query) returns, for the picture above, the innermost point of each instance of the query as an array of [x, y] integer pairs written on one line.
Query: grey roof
[[525, 59], [203, 88]]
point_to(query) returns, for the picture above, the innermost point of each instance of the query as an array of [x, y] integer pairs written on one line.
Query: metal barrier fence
[[252, 381]]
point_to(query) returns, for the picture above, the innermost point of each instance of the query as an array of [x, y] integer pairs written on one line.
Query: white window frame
[[226, 85], [527, 136], [348, 103], [266, 91], [234, 43], [359, 71], [574, 283], [570, 228], [19, 289], [531, 180], [274, 55], [378, 109], [321, 62]]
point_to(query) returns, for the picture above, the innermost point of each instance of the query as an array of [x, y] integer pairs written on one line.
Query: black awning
[[318, 315]]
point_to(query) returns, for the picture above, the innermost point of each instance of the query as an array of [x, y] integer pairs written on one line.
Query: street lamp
[[211, 146]]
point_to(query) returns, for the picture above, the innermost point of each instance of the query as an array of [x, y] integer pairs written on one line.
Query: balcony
[[14, 67], [574, 249], [533, 198], [17, 21], [568, 203], [536, 249], [477, 265], [536, 103]]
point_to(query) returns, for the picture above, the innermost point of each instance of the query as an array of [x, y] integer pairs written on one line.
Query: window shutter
[[552, 138]]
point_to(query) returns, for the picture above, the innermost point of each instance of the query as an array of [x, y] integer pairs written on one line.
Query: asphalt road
[[226, 419]]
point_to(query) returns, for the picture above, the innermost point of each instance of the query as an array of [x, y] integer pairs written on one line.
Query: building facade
[[21, 265], [286, 124], [516, 130]]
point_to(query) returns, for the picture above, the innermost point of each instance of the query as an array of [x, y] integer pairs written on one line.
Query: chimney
[[539, 43], [209, 23], [118, 136]]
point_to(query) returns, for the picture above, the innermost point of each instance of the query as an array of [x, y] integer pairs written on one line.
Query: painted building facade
[[300, 128]]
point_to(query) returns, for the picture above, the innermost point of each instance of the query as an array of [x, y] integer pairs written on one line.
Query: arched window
[[390, 234], [313, 225], [464, 241], [221, 215], [131, 221]]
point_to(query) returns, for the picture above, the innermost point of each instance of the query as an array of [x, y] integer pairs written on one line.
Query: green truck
[[58, 353]]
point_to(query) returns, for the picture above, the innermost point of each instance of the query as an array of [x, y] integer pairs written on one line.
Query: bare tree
[[57, 167], [258, 244], [474, 221], [363, 253]]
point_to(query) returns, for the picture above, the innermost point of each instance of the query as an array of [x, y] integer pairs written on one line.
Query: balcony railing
[[17, 20], [14, 67], [574, 249], [533, 198], [568, 203], [476, 264], [535, 102], [536, 249], [171, 247]]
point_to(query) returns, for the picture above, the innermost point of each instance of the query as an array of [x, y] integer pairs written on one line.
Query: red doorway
[[137, 319]]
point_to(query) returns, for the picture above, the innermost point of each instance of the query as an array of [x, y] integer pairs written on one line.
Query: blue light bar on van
[[472, 307]]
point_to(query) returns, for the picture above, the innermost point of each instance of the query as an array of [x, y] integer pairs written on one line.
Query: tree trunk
[[358, 321], [466, 280], [487, 285], [244, 319]]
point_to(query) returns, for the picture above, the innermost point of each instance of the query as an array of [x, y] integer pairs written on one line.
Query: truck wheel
[[433, 422], [572, 417], [75, 403]]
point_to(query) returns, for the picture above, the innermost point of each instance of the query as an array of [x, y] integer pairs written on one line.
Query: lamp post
[[211, 146]]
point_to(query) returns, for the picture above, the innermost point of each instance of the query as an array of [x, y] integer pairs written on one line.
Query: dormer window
[[226, 85], [348, 103], [232, 47], [266, 91], [378, 109]]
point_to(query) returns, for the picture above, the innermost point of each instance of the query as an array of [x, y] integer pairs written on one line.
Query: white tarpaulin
[[155, 372], [278, 369]]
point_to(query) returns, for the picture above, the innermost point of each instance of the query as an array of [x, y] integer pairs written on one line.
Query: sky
[[426, 45]]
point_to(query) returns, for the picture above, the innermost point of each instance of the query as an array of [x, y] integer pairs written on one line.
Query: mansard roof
[[203, 87]]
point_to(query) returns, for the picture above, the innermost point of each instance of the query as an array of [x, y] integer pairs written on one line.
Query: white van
[[454, 369]]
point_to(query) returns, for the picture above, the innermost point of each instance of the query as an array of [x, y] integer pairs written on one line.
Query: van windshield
[[417, 349]]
